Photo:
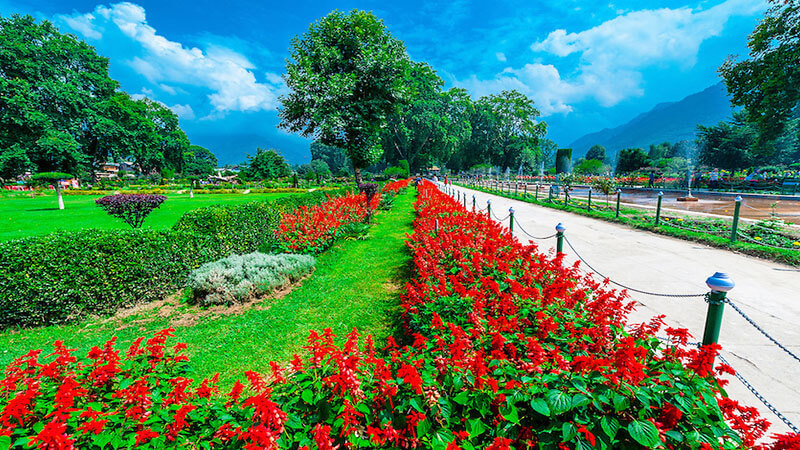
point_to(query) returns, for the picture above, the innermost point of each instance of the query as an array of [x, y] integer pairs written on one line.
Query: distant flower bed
[[396, 186]]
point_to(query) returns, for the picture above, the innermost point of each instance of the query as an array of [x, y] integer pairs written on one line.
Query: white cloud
[[227, 74], [612, 55], [183, 111], [500, 56]]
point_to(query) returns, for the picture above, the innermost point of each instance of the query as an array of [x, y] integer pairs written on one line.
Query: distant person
[[651, 179], [713, 179]]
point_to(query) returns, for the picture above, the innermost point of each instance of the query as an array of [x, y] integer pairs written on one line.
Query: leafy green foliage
[[266, 164], [631, 159], [597, 152], [239, 278], [728, 145], [563, 160], [345, 75], [768, 83]]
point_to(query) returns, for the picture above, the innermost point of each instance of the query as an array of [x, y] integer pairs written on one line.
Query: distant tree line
[[60, 111]]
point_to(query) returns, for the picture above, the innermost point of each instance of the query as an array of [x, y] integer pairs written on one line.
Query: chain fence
[[519, 226], [640, 291], [761, 398], [761, 330]]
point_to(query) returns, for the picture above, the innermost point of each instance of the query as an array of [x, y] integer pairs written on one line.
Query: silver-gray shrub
[[239, 278]]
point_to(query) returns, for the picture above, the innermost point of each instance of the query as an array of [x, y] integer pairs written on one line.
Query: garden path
[[767, 291]]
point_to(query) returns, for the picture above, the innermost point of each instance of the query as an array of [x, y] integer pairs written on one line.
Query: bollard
[[619, 193], [560, 228], [736, 218], [525, 194], [489, 208], [719, 283], [473, 202], [511, 220], [550, 194], [589, 206], [465, 200], [436, 226], [658, 208], [537, 192], [516, 188]]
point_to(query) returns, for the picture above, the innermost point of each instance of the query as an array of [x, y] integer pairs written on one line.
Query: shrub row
[[66, 275]]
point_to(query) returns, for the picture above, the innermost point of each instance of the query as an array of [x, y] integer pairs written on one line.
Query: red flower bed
[[313, 229], [504, 348], [395, 186]]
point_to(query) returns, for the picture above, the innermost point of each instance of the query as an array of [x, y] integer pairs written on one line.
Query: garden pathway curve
[[767, 291]]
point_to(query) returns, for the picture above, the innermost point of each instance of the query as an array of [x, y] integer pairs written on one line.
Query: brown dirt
[[183, 315]]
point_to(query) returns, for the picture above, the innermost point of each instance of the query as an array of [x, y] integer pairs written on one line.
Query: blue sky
[[588, 65]]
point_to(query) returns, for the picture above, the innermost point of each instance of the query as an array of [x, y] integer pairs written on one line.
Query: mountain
[[671, 121]]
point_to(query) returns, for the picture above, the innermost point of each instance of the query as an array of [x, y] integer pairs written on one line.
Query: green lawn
[[22, 216], [357, 283]]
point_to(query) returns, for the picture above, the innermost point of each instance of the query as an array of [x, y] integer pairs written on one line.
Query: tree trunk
[[58, 194], [191, 190], [357, 171]]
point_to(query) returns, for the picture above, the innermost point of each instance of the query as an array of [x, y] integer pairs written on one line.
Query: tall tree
[[728, 145], [767, 84], [198, 161], [267, 164], [515, 127], [346, 74], [631, 159], [334, 157], [49, 82], [597, 152]]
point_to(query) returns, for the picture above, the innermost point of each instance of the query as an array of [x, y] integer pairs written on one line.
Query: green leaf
[[462, 398], [510, 413], [475, 427], [675, 435], [620, 402], [540, 406], [644, 432], [610, 426], [579, 400], [568, 431], [5, 442], [307, 396], [423, 428], [560, 402]]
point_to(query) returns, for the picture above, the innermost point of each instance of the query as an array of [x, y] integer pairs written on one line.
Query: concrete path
[[766, 291]]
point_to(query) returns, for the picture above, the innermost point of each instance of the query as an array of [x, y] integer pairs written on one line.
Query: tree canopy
[[631, 159], [345, 75], [597, 152], [61, 111], [266, 164], [767, 84]]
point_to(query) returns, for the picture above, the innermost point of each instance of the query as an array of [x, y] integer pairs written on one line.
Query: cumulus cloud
[[611, 56], [183, 111], [226, 75], [500, 56]]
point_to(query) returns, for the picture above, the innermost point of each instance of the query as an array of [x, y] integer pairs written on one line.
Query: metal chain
[[655, 294], [499, 219], [761, 330], [530, 235], [761, 398]]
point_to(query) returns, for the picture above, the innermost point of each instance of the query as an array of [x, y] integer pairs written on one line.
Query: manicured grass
[[22, 216], [357, 283]]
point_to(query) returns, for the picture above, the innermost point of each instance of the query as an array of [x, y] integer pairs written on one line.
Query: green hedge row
[[64, 276]]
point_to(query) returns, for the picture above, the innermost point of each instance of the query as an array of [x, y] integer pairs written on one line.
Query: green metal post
[[619, 194], [658, 208], [465, 200], [436, 226], [537, 192], [716, 305], [516, 188], [589, 206], [473, 202], [525, 193], [489, 209], [511, 220], [735, 226], [560, 228]]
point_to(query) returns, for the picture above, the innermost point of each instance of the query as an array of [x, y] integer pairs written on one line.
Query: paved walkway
[[768, 292]]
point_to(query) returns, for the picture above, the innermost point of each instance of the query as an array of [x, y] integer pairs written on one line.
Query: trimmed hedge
[[63, 276]]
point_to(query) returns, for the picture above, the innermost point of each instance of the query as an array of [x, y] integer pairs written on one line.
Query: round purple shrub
[[132, 208]]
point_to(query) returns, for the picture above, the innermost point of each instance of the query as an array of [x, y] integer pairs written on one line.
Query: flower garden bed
[[504, 348]]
